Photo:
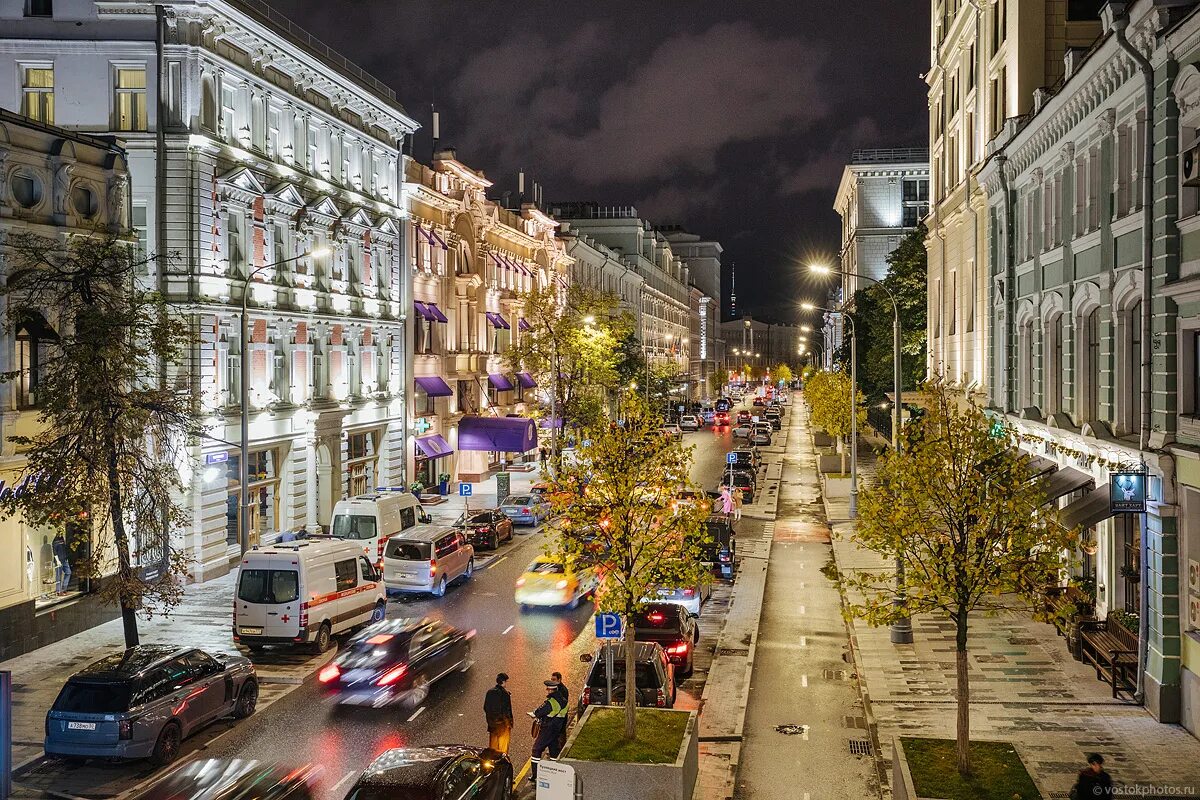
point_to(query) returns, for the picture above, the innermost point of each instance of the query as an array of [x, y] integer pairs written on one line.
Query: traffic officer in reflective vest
[[552, 724]]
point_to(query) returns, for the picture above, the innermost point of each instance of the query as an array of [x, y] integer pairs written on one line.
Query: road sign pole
[[608, 668], [6, 763]]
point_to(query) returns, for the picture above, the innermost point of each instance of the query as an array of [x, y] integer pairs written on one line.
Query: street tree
[[960, 507], [782, 372], [716, 382], [113, 421], [828, 394], [573, 349], [619, 517]]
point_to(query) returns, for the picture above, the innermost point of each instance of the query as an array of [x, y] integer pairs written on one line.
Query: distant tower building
[[733, 312]]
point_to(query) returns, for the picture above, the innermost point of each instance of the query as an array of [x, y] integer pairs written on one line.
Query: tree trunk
[[630, 680], [963, 727], [121, 539]]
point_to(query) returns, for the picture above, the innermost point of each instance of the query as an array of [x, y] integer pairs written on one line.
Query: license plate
[[81, 726], [251, 631]]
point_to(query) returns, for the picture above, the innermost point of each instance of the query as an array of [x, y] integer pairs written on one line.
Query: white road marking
[[417, 713], [801, 609], [335, 791], [804, 641], [804, 680], [804, 735], [506, 630]]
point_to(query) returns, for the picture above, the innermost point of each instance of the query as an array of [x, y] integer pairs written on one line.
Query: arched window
[[1052, 363], [1025, 362], [1087, 341], [33, 340], [1131, 367]]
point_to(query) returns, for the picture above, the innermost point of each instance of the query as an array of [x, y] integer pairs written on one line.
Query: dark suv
[[655, 677], [720, 551], [671, 626], [143, 702]]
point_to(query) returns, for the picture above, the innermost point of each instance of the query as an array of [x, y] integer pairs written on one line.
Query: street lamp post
[[901, 629], [244, 449], [853, 404]]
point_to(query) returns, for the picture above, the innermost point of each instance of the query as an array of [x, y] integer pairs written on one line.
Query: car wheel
[[379, 612], [440, 589], [419, 693], [247, 701], [324, 638], [574, 604], [166, 749], [687, 673], [468, 661], [470, 570], [494, 542]]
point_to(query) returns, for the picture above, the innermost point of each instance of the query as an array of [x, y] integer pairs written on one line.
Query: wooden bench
[[1112, 649], [1058, 599]]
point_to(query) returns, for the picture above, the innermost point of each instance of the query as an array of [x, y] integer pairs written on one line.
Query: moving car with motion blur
[[527, 509], [228, 778], [440, 772], [485, 529], [549, 582], [744, 416], [144, 702], [672, 627], [721, 419], [654, 676], [396, 661]]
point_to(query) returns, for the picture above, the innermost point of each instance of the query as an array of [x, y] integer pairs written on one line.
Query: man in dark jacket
[[497, 708], [1093, 781], [552, 723]]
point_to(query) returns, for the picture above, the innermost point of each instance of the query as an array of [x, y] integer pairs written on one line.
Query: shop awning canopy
[[438, 240], [550, 422], [500, 382], [424, 310], [433, 446], [497, 434], [526, 380], [1088, 510], [1040, 465], [1065, 481], [497, 320], [433, 386], [523, 324]]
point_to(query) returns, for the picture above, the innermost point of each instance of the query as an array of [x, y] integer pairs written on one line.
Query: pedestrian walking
[[1093, 781], [727, 504], [543, 454], [737, 504], [497, 709], [552, 724]]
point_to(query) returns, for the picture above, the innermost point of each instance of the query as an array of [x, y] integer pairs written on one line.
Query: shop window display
[[53, 563]]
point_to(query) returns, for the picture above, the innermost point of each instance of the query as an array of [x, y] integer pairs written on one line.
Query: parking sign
[[731, 458], [608, 626], [464, 490]]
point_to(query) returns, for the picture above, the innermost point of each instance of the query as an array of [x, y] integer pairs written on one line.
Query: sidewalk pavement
[[1025, 688]]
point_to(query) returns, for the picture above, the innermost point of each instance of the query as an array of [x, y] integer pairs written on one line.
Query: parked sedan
[[672, 430], [689, 422], [673, 627], [437, 772], [745, 417], [144, 702], [743, 430], [528, 509], [760, 437], [745, 481], [485, 529], [396, 661]]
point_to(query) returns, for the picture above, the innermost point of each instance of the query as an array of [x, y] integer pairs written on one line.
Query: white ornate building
[[53, 183], [250, 144]]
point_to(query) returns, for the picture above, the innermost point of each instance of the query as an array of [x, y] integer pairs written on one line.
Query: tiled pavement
[[1025, 688]]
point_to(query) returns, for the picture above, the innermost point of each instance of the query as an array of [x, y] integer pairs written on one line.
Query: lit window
[[131, 99], [37, 94]]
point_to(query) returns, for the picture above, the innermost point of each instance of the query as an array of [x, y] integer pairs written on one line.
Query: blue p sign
[[464, 490], [731, 458], [608, 626]]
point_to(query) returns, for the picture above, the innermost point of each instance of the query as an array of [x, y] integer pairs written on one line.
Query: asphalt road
[[303, 727]]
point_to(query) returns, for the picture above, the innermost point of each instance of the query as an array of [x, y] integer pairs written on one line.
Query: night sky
[[731, 118]]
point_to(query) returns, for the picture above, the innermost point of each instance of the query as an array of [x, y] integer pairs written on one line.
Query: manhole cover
[[834, 674], [793, 730], [860, 747]]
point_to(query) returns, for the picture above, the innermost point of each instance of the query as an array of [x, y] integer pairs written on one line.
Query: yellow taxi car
[[550, 583]]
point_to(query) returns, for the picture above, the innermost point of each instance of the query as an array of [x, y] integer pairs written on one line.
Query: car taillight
[[125, 729], [329, 672], [724, 556], [689, 592], [656, 617], [661, 701], [524, 510], [392, 675], [587, 695], [678, 649], [561, 584], [432, 567]]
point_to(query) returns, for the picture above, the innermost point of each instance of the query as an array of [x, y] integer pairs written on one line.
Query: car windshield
[[269, 586], [354, 526], [647, 678], [474, 519], [406, 550], [94, 698], [546, 568], [518, 500]]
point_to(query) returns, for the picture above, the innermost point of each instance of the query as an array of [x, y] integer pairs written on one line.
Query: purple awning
[[497, 320], [433, 446], [497, 434], [423, 310], [500, 382], [438, 316], [516, 265], [523, 324], [550, 422], [424, 234], [500, 261], [526, 380], [433, 386], [437, 239]]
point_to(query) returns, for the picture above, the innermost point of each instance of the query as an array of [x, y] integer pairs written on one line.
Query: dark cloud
[[732, 118]]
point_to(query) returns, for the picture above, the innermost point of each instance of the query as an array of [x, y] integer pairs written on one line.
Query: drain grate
[[854, 722], [834, 674], [860, 747]]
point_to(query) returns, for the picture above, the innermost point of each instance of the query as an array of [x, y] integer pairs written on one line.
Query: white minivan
[[371, 519], [305, 592]]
